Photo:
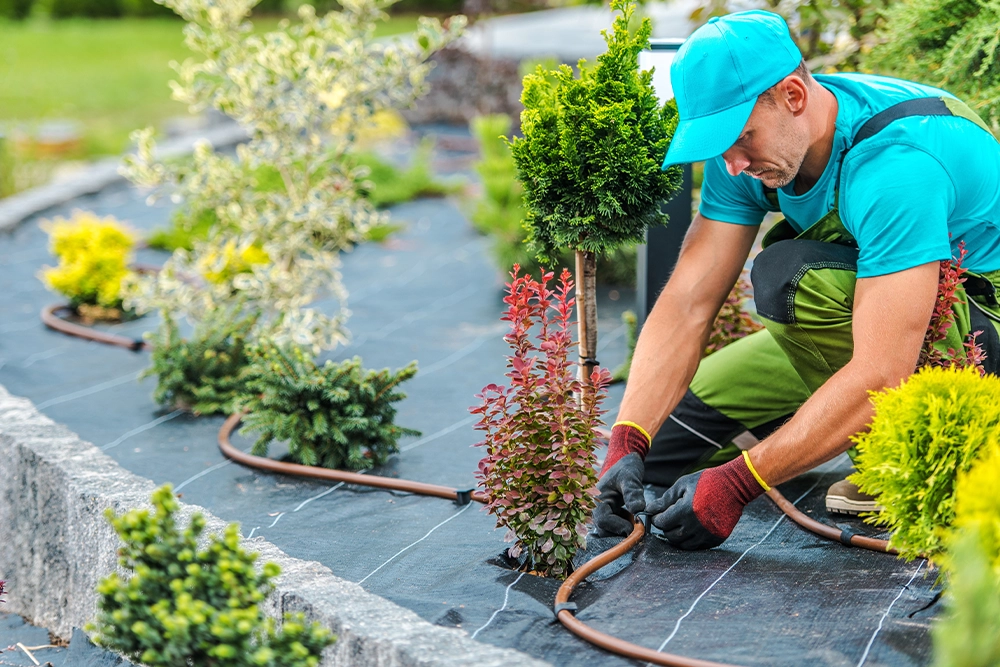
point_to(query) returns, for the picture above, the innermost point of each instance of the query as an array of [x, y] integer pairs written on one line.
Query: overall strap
[[920, 106]]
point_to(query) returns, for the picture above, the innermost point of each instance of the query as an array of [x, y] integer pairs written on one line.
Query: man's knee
[[778, 272]]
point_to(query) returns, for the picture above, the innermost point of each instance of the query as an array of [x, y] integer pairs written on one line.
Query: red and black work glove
[[701, 509], [621, 480]]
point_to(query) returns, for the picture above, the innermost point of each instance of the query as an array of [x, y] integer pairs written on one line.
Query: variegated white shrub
[[302, 92]]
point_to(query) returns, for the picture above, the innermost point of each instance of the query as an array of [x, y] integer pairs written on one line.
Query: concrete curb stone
[[55, 546]]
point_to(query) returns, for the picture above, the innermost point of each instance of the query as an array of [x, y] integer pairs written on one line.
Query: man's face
[[771, 147]]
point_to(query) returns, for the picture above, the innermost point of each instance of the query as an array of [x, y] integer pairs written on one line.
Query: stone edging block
[[55, 544]]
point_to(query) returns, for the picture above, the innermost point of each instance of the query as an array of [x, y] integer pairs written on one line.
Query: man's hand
[[621, 480], [621, 492], [701, 509]]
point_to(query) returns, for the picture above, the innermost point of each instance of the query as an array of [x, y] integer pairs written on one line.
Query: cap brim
[[709, 136]]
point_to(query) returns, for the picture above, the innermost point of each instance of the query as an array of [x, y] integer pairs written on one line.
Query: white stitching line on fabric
[[400, 552], [139, 429], [777, 523], [864, 656], [700, 435], [65, 398], [506, 596]]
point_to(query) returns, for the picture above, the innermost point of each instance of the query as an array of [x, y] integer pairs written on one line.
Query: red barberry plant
[[540, 432], [733, 321], [943, 318]]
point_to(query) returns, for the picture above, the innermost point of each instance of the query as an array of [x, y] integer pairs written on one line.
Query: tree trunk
[[586, 308]]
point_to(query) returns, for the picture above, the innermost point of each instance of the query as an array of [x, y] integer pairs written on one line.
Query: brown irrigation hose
[[845, 536], [563, 607], [51, 319], [316, 472]]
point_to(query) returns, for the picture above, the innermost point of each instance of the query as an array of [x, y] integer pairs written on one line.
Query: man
[[878, 180]]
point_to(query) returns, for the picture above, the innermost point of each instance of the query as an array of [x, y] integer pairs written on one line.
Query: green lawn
[[110, 75]]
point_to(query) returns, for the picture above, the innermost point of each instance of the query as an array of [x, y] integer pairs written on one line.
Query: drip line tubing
[[563, 608], [52, 319]]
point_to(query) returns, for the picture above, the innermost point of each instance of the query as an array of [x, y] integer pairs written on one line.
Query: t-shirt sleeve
[[896, 201], [737, 199]]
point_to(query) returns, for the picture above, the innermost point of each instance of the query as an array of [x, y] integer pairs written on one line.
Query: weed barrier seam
[[565, 615]]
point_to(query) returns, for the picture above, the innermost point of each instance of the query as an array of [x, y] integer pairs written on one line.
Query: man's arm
[[673, 338], [891, 313]]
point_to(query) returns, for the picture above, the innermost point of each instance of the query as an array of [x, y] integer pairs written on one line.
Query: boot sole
[[844, 505]]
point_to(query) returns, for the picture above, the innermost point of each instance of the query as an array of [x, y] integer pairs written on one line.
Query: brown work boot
[[846, 498]]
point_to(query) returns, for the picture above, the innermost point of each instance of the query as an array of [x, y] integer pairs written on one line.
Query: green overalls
[[804, 293]]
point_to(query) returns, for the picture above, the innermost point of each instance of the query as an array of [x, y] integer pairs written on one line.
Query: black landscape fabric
[[771, 595]]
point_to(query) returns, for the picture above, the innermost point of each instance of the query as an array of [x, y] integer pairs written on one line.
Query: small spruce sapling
[[590, 159], [185, 605], [338, 415], [203, 373], [538, 472]]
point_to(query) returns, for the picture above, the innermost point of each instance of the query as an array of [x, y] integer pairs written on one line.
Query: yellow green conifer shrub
[[924, 433], [977, 504], [969, 633], [185, 605], [93, 254]]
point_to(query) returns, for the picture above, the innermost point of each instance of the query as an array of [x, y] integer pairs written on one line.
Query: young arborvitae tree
[[538, 472], [190, 606], [303, 92], [338, 415], [590, 160]]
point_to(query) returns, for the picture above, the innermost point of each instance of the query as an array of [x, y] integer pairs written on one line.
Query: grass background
[[108, 75]]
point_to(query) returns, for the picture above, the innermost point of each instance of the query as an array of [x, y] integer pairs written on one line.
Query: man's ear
[[794, 94]]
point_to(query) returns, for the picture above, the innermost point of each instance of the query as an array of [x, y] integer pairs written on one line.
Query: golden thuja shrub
[[93, 256], [977, 503], [923, 435]]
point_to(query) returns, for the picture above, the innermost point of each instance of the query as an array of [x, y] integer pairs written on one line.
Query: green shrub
[[94, 254], [924, 433], [391, 185], [188, 606], [951, 44], [16, 10], [977, 504], [593, 144], [969, 633], [184, 230], [203, 373], [335, 416], [60, 9], [499, 211]]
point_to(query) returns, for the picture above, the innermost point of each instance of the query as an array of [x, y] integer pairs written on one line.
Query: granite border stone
[[55, 544]]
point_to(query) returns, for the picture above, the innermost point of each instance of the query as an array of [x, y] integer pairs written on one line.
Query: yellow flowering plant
[[94, 255]]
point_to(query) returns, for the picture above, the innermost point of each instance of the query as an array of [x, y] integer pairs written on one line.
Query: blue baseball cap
[[718, 74]]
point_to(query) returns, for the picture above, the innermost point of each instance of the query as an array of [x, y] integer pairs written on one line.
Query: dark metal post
[[656, 259]]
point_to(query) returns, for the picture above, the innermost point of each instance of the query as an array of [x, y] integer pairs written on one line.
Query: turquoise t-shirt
[[909, 195]]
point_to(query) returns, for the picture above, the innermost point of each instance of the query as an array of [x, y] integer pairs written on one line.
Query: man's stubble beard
[[791, 152]]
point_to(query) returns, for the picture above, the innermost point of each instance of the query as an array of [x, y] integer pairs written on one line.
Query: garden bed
[[771, 595]]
